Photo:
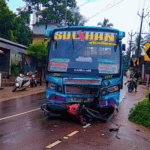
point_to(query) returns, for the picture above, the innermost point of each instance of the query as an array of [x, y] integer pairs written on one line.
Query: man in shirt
[[128, 73]]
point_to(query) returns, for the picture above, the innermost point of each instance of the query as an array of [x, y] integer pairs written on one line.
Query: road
[[24, 127]]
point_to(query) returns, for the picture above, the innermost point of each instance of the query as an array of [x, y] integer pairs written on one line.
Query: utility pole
[[131, 41], [66, 13], [140, 31]]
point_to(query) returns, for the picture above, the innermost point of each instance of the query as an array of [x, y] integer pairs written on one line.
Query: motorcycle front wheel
[[14, 89]]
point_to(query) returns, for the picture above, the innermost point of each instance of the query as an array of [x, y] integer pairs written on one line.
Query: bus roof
[[48, 32]]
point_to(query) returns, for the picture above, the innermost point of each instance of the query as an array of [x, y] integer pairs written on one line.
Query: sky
[[123, 14]]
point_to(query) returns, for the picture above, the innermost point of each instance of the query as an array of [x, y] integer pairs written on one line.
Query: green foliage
[[14, 69], [14, 27], [134, 46], [55, 10], [39, 50], [105, 23], [125, 61], [141, 112]]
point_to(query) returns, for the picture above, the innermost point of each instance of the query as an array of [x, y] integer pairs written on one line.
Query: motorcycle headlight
[[17, 84], [113, 89], [105, 83]]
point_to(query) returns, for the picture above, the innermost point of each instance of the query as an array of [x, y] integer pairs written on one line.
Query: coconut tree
[[135, 45], [147, 38], [105, 23]]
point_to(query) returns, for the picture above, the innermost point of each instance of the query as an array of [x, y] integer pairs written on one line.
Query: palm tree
[[134, 46], [147, 38], [105, 23]]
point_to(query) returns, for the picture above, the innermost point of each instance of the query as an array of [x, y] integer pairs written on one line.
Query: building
[[11, 51], [39, 31]]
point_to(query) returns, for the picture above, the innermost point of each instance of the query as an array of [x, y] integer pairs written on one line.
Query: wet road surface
[[23, 126]]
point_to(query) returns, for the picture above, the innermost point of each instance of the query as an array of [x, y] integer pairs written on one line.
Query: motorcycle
[[22, 82], [33, 81], [132, 84], [84, 112]]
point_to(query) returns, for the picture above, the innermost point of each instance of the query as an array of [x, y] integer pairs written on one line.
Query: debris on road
[[90, 126], [117, 137], [113, 129], [105, 128]]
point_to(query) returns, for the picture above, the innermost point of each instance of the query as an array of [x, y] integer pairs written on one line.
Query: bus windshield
[[78, 55]]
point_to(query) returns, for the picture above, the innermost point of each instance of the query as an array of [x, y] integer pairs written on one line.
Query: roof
[[12, 45]]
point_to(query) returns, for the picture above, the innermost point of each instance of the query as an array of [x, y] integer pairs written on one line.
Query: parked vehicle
[[132, 84], [22, 82], [33, 81]]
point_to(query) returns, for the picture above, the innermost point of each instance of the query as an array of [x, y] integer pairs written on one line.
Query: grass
[[141, 112]]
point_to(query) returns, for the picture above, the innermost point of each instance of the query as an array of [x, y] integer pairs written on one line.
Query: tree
[[147, 38], [39, 50], [134, 46], [79, 19], [54, 11], [126, 59], [105, 23], [6, 22], [14, 27]]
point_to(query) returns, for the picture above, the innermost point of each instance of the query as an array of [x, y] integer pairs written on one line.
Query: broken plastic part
[[113, 129]]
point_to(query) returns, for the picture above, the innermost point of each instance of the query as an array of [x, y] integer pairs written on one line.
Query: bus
[[83, 63]]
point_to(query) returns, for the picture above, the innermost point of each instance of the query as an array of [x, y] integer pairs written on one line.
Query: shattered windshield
[[83, 56]]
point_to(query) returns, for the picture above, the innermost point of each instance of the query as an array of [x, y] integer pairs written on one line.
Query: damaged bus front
[[84, 64]]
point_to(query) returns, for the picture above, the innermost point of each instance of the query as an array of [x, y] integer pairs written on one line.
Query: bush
[[14, 69], [141, 112]]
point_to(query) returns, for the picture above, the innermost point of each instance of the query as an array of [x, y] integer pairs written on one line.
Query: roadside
[[130, 133], [7, 94]]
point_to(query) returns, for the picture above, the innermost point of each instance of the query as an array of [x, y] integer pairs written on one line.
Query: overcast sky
[[121, 13]]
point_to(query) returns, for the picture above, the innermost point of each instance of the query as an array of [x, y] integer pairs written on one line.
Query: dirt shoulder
[[7, 94]]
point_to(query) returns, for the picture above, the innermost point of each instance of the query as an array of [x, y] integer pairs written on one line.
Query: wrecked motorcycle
[[84, 112]]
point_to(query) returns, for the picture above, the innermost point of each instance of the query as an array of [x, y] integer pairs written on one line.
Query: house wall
[[5, 61], [40, 29], [37, 38]]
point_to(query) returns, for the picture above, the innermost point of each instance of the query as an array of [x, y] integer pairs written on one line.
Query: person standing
[[137, 75], [128, 73]]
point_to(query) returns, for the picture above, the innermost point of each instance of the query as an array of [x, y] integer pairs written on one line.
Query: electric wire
[[104, 10], [84, 3]]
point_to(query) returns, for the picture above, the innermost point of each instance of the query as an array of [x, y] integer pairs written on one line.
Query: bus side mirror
[[123, 47]]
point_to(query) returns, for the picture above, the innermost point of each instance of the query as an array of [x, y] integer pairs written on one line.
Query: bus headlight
[[51, 85], [105, 83], [103, 92], [54, 86], [113, 89]]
